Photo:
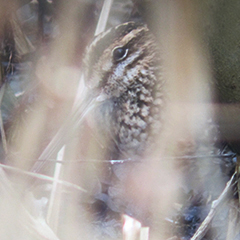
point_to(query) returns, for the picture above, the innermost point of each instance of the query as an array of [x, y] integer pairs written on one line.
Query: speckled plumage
[[129, 90]]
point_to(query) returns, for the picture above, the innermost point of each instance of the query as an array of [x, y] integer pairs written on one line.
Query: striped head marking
[[115, 57]]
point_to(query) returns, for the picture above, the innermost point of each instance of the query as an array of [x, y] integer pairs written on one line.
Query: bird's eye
[[119, 53]]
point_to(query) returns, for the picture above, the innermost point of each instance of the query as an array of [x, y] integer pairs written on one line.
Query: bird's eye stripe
[[103, 41]]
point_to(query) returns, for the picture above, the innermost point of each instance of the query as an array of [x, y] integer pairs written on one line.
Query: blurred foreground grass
[[49, 192]]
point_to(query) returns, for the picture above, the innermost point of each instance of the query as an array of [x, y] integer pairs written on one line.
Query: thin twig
[[202, 230], [3, 135], [135, 160]]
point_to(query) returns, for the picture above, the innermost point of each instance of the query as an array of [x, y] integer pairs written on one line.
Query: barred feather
[[127, 89]]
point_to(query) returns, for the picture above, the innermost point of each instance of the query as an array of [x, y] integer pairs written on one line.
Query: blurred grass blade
[[65, 132], [55, 197], [102, 22], [11, 199], [3, 135]]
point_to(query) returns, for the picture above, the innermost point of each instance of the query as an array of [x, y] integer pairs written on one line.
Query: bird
[[123, 70], [124, 73]]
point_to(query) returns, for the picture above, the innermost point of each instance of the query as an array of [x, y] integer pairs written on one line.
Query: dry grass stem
[[215, 207], [43, 177]]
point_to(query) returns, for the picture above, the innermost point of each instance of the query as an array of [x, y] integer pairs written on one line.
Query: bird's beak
[[102, 97]]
